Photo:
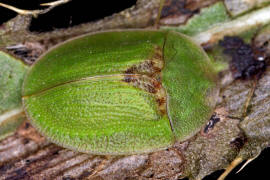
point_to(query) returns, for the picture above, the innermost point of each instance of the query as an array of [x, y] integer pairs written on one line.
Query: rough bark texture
[[27, 155], [141, 15]]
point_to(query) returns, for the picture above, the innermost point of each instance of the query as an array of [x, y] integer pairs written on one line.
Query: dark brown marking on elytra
[[151, 85], [147, 76], [157, 84], [147, 67], [143, 82], [151, 89], [161, 101], [151, 66], [127, 79]]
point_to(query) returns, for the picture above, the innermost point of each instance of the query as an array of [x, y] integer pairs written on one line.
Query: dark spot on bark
[[29, 51], [56, 152], [84, 175], [239, 142], [248, 111], [22, 52], [19, 174], [26, 125], [210, 125], [68, 178], [246, 61], [175, 7], [23, 172], [265, 43], [25, 141], [5, 167]]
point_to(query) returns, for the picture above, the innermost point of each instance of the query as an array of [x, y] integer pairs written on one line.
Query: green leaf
[[12, 72], [207, 18]]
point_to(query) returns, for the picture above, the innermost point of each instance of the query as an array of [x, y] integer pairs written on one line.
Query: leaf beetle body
[[121, 92]]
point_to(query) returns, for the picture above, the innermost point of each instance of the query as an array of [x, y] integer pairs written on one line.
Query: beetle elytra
[[121, 92]]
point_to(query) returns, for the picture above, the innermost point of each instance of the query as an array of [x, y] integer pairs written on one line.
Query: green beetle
[[121, 92]]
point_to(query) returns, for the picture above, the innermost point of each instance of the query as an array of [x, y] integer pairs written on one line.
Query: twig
[[35, 13]]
